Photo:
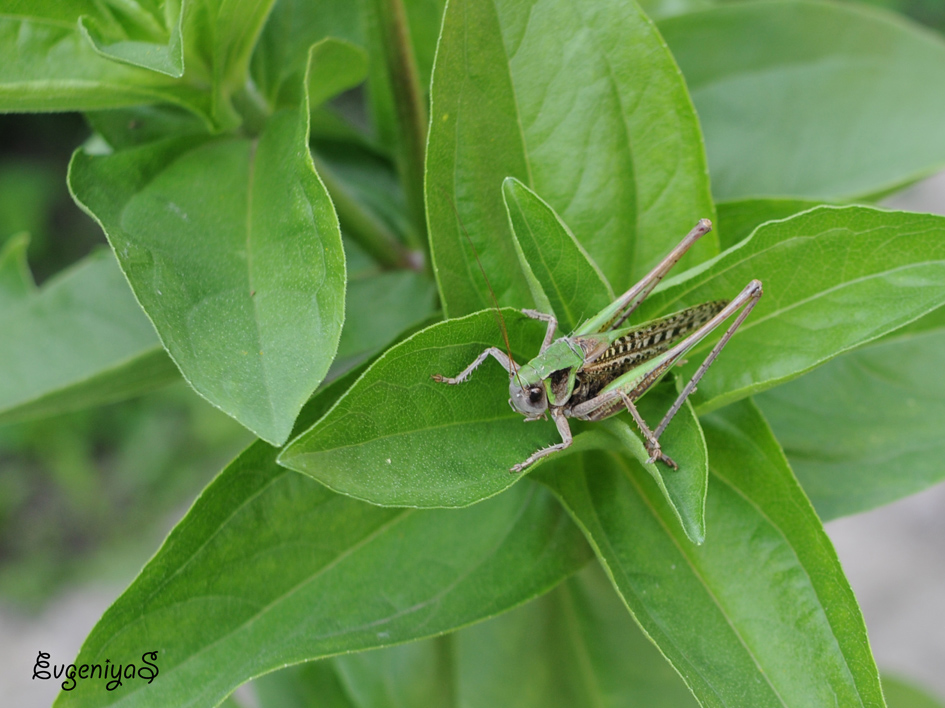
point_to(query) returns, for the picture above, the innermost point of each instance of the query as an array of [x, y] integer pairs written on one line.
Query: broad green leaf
[[398, 438], [570, 283], [901, 693], [576, 646], [220, 36], [583, 104], [683, 440], [49, 66], [866, 428], [81, 340], [271, 561], [122, 128], [336, 66], [737, 219], [305, 685], [291, 29], [834, 278], [812, 99], [232, 248], [760, 614], [416, 674], [145, 34]]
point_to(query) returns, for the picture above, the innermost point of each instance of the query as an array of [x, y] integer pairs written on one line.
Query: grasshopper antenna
[[500, 320]]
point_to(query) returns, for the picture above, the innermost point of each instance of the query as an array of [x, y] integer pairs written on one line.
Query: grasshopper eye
[[528, 400]]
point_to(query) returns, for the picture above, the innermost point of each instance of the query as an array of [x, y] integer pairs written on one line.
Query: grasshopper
[[605, 366]]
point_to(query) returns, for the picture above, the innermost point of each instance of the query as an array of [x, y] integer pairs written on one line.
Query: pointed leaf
[[399, 438], [759, 615], [738, 218], [811, 99], [50, 66], [79, 341], [834, 278], [271, 560], [147, 36], [517, 86], [684, 488], [233, 249], [866, 428], [292, 27], [573, 284], [575, 647]]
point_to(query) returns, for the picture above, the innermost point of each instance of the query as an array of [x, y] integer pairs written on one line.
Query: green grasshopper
[[605, 366]]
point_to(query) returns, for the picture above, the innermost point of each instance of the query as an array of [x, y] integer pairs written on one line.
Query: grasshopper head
[[527, 397]]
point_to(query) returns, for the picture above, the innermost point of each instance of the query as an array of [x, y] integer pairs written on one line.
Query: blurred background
[[87, 498]]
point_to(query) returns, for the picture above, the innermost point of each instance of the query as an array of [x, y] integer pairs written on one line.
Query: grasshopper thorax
[[527, 396]]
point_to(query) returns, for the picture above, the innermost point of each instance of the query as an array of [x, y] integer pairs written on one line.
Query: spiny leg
[[650, 439], [749, 298], [566, 439], [499, 355], [552, 326]]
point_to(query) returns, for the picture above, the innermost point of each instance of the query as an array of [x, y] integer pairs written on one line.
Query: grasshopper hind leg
[[650, 439]]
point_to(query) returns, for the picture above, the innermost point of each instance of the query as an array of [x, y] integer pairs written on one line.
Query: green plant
[[227, 165]]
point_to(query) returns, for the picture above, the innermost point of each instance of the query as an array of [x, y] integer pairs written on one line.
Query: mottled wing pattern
[[655, 337], [639, 345]]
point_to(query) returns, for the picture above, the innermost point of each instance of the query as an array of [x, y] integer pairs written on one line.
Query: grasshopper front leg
[[499, 355], [557, 415]]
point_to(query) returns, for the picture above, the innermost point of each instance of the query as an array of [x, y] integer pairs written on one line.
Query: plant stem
[[370, 232], [409, 108]]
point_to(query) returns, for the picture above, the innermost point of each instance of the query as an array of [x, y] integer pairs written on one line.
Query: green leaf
[[232, 248], [683, 440], [16, 281], [49, 66], [123, 128], [398, 438], [416, 674], [759, 615], [517, 87], [292, 27], [336, 66], [574, 647], [304, 686], [79, 341], [142, 34], [866, 428], [901, 693], [220, 36], [738, 218], [269, 559], [379, 307], [812, 99], [834, 278], [570, 283]]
